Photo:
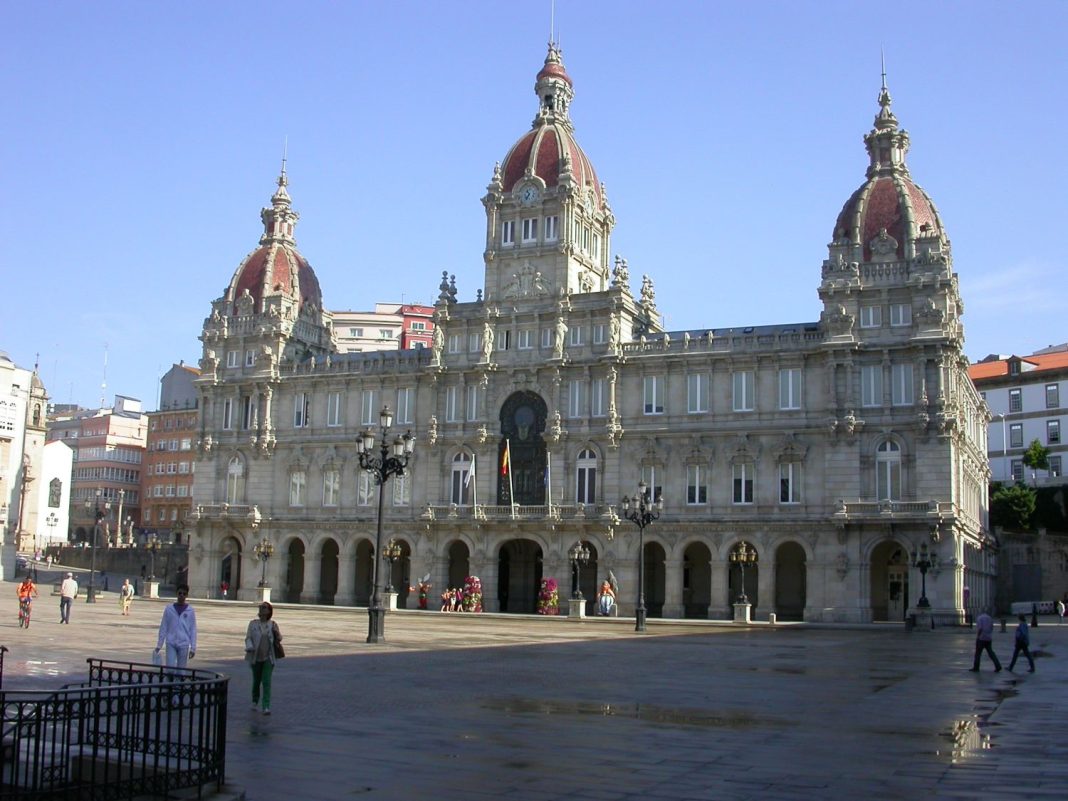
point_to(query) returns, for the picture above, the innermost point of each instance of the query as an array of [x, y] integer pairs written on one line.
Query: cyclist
[[27, 591]]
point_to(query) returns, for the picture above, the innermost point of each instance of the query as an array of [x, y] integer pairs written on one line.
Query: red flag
[[506, 459]]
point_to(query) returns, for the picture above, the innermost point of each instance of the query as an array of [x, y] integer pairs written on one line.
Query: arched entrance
[[459, 564], [696, 580], [519, 576], [654, 579], [790, 582], [230, 567], [521, 452], [400, 574], [294, 571], [736, 569], [328, 567], [588, 581], [365, 560], [889, 582]]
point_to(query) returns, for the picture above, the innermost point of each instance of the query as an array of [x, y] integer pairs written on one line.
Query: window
[[1017, 470], [235, 481], [297, 481], [598, 397], [600, 334], [450, 405], [365, 488], [333, 409], [696, 485], [456, 343], [250, 358], [1055, 465], [586, 477], [697, 393], [1015, 401], [404, 405], [530, 230], [472, 402], [356, 333], [900, 314], [508, 233], [462, 479], [654, 394], [552, 225], [743, 482], [546, 337], [651, 475], [789, 482], [790, 388], [574, 398], [183, 491], [902, 393], [574, 335], [743, 388], [525, 340], [1016, 435], [300, 410], [871, 385], [402, 490], [386, 333], [331, 486], [871, 316], [1053, 432], [231, 358], [183, 468], [1053, 396], [888, 471], [418, 325], [248, 413], [596, 246], [228, 414], [474, 343], [186, 444], [369, 407]]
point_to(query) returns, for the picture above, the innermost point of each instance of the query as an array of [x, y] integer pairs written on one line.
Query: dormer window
[[1014, 366]]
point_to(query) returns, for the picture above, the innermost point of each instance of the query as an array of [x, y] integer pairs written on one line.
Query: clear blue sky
[[142, 139]]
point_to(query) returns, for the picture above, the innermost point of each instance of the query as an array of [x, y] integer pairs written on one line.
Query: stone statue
[[438, 344], [487, 341], [561, 333]]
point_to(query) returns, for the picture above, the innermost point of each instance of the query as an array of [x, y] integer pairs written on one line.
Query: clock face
[[528, 194]]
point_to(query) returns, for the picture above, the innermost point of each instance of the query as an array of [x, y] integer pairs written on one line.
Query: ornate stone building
[[837, 449]]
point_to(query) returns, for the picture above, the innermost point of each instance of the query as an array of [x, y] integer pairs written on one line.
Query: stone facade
[[836, 449]]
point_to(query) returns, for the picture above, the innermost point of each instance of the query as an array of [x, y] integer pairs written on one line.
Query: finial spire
[[282, 179], [882, 62]]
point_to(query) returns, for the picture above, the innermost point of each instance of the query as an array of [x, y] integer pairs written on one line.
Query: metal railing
[[130, 730]]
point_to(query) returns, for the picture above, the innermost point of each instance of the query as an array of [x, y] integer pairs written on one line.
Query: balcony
[[568, 511]]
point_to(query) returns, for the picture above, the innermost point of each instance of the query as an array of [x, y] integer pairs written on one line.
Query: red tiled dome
[[276, 269], [887, 202], [540, 151]]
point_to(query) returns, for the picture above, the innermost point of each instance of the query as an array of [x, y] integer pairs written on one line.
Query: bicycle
[[25, 606]]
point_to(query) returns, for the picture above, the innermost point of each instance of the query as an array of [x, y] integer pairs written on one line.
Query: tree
[[1037, 458], [1012, 506]]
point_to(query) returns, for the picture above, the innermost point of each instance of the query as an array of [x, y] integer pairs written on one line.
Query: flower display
[[549, 597], [472, 598]]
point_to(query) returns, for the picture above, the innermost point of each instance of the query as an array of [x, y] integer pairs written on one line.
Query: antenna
[[104, 383], [552, 20], [285, 152], [882, 62]]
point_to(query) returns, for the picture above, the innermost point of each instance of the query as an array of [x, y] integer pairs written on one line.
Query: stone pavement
[[494, 707]]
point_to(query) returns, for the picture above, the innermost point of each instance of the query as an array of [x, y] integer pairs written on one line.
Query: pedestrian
[[178, 629], [1022, 644], [263, 646], [104, 577], [606, 598], [126, 594], [68, 591], [1060, 611], [984, 637], [224, 588]]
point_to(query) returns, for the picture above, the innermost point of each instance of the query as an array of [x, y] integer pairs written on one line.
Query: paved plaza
[[510, 707]]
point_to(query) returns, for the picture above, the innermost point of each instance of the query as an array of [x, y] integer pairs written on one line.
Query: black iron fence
[[130, 730]]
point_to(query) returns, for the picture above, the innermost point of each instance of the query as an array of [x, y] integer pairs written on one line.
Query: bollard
[[1002, 625], [771, 618], [1034, 616]]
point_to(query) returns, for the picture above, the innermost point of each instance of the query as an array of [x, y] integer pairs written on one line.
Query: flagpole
[[511, 489], [474, 489], [549, 479]]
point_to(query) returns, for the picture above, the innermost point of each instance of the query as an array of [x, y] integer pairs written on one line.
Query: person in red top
[[27, 591]]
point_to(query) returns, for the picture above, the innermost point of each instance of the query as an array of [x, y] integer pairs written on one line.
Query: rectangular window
[[250, 358], [1053, 432], [296, 488], [1053, 396], [552, 225], [696, 485], [790, 388], [472, 402], [183, 468], [600, 334], [300, 410], [1015, 401], [696, 393], [474, 343], [574, 398], [246, 412], [228, 414], [508, 233], [386, 333], [450, 405], [1055, 465], [902, 392], [365, 489], [355, 333], [575, 335], [404, 405], [333, 409], [530, 230], [596, 246], [402, 490], [456, 343], [743, 390], [654, 394], [1016, 435], [1017, 470], [789, 482], [187, 444], [651, 475], [871, 316], [331, 487], [546, 338], [231, 358], [599, 397], [183, 491], [871, 385], [525, 340], [369, 407], [900, 314], [743, 483]]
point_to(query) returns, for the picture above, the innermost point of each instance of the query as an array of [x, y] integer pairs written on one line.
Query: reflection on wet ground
[[648, 713]]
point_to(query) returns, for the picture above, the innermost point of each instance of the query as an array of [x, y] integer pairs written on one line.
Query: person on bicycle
[[27, 591]]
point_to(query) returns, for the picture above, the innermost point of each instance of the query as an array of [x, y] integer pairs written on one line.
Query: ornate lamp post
[[264, 550], [924, 560], [742, 555], [99, 513], [579, 554], [641, 512], [152, 545], [51, 521], [391, 553], [392, 461]]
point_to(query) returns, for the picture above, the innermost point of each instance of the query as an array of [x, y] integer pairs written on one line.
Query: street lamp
[[391, 553], [51, 521], [742, 555], [924, 560], [152, 545], [641, 512], [264, 550], [579, 554], [392, 462], [99, 513]]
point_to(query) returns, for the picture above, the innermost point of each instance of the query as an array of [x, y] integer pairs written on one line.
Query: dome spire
[[554, 89], [886, 143], [280, 219]]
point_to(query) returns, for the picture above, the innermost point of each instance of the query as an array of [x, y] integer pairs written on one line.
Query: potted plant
[[549, 597], [472, 599]]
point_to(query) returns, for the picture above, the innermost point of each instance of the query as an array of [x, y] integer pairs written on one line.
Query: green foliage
[[1012, 506], [1036, 456]]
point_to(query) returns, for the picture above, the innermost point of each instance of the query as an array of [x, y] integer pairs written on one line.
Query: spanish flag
[[506, 459]]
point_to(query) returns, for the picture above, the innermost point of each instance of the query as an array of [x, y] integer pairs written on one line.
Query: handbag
[[279, 651]]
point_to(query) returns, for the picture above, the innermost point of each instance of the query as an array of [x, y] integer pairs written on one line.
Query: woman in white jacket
[[178, 629], [261, 641]]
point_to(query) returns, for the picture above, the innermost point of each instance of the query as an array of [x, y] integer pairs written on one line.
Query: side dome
[[549, 150], [276, 267], [889, 216]]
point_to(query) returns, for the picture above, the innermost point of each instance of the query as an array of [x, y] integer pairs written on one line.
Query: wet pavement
[[494, 706]]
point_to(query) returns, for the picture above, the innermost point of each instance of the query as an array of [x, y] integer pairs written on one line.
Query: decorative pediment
[[789, 449], [527, 282], [742, 449]]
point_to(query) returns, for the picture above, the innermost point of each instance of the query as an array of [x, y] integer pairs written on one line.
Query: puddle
[[644, 712], [964, 739]]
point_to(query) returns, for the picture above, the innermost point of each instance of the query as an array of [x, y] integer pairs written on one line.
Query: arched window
[[888, 471], [235, 480], [463, 478], [586, 477]]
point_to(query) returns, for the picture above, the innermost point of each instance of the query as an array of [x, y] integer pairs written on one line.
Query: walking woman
[[263, 644]]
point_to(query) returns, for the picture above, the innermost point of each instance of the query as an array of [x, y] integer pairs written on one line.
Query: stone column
[[312, 568], [346, 579], [673, 604], [719, 605], [766, 586]]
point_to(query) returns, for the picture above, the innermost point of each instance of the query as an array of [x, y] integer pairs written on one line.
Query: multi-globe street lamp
[[743, 554], [924, 560], [51, 521], [152, 544], [100, 511], [391, 553], [392, 461], [579, 554], [264, 550], [641, 510]]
